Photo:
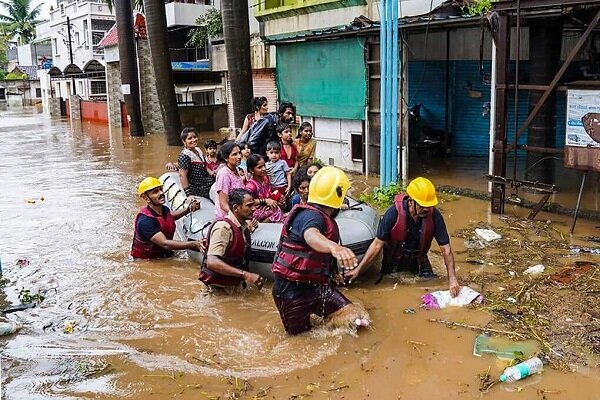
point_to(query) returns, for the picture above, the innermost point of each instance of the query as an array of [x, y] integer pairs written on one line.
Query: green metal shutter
[[324, 79]]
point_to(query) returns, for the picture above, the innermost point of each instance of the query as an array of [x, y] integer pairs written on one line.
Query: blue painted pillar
[[389, 60], [383, 100]]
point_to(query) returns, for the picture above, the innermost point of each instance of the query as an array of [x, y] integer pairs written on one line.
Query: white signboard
[[580, 103], [125, 89]]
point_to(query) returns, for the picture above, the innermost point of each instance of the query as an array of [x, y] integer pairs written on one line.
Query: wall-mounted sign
[[583, 107], [126, 89]]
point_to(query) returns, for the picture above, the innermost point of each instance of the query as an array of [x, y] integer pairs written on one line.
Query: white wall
[[80, 14], [333, 141]]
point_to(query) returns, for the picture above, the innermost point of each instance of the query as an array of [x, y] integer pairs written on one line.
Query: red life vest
[[394, 246], [145, 248], [298, 261], [236, 256]]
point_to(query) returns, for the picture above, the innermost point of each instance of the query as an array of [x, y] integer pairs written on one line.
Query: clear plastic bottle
[[522, 370]]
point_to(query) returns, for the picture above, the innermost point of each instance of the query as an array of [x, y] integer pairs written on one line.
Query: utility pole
[[70, 51]]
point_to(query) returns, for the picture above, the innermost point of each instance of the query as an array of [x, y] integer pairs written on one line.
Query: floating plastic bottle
[[8, 328], [522, 370]]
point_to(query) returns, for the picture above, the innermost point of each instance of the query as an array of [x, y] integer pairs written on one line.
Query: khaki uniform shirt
[[221, 236]]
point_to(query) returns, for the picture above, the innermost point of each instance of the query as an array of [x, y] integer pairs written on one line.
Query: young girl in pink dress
[[267, 209]]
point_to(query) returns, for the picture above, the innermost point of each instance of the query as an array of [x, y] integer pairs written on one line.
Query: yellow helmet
[[148, 183], [422, 191], [328, 187]]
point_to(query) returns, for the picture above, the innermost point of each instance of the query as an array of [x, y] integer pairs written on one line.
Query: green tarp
[[324, 79]]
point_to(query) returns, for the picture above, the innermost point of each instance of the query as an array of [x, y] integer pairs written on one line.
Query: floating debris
[[23, 262], [487, 234], [567, 275], [535, 270]]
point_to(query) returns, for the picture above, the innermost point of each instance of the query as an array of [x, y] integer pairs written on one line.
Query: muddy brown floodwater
[[142, 330]]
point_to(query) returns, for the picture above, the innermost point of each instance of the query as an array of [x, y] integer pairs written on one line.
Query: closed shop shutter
[[264, 84]]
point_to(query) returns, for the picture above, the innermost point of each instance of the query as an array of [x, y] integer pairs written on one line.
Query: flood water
[[143, 330]]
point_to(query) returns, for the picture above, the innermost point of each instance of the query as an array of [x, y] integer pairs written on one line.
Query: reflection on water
[[143, 328]]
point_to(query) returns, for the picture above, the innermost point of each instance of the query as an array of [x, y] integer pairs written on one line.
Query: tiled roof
[[30, 70], [110, 38]]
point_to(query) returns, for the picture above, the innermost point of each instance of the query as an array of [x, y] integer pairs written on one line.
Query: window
[[77, 42], [97, 88], [38, 93], [97, 37], [55, 47], [62, 9], [86, 36], [356, 146]]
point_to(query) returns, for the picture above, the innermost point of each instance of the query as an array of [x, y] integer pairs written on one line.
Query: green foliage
[[15, 76], [21, 19], [382, 197], [319, 162], [210, 26], [25, 296], [2, 75], [479, 7]]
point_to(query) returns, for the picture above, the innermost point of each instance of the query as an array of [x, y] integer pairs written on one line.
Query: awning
[[194, 88]]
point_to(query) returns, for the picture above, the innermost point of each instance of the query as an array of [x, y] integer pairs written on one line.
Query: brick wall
[[151, 113], [114, 96]]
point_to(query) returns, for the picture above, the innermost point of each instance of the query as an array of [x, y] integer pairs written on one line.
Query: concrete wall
[[95, 111], [333, 141], [114, 95], [204, 118], [261, 56], [54, 107], [184, 14], [83, 48], [30, 54], [15, 100]]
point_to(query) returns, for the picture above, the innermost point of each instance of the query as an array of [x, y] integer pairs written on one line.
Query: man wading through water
[[228, 247], [305, 262], [405, 235], [155, 224]]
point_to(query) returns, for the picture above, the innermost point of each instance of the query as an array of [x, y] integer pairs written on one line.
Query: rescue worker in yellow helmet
[[405, 235], [304, 264], [154, 225]]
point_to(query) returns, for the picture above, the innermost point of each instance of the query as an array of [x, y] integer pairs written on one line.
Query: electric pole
[[70, 51]]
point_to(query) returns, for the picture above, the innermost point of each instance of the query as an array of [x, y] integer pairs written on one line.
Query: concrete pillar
[[75, 104], [113, 94]]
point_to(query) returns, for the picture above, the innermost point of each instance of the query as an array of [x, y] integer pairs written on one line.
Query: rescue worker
[[154, 225], [405, 235], [305, 261], [226, 261]]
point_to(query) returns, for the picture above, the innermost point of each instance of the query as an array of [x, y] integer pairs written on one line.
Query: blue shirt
[[277, 173], [148, 227], [413, 227], [303, 221], [295, 200]]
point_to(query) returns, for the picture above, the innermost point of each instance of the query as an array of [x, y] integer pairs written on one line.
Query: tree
[[128, 64], [210, 25], [21, 19], [237, 44], [156, 24]]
